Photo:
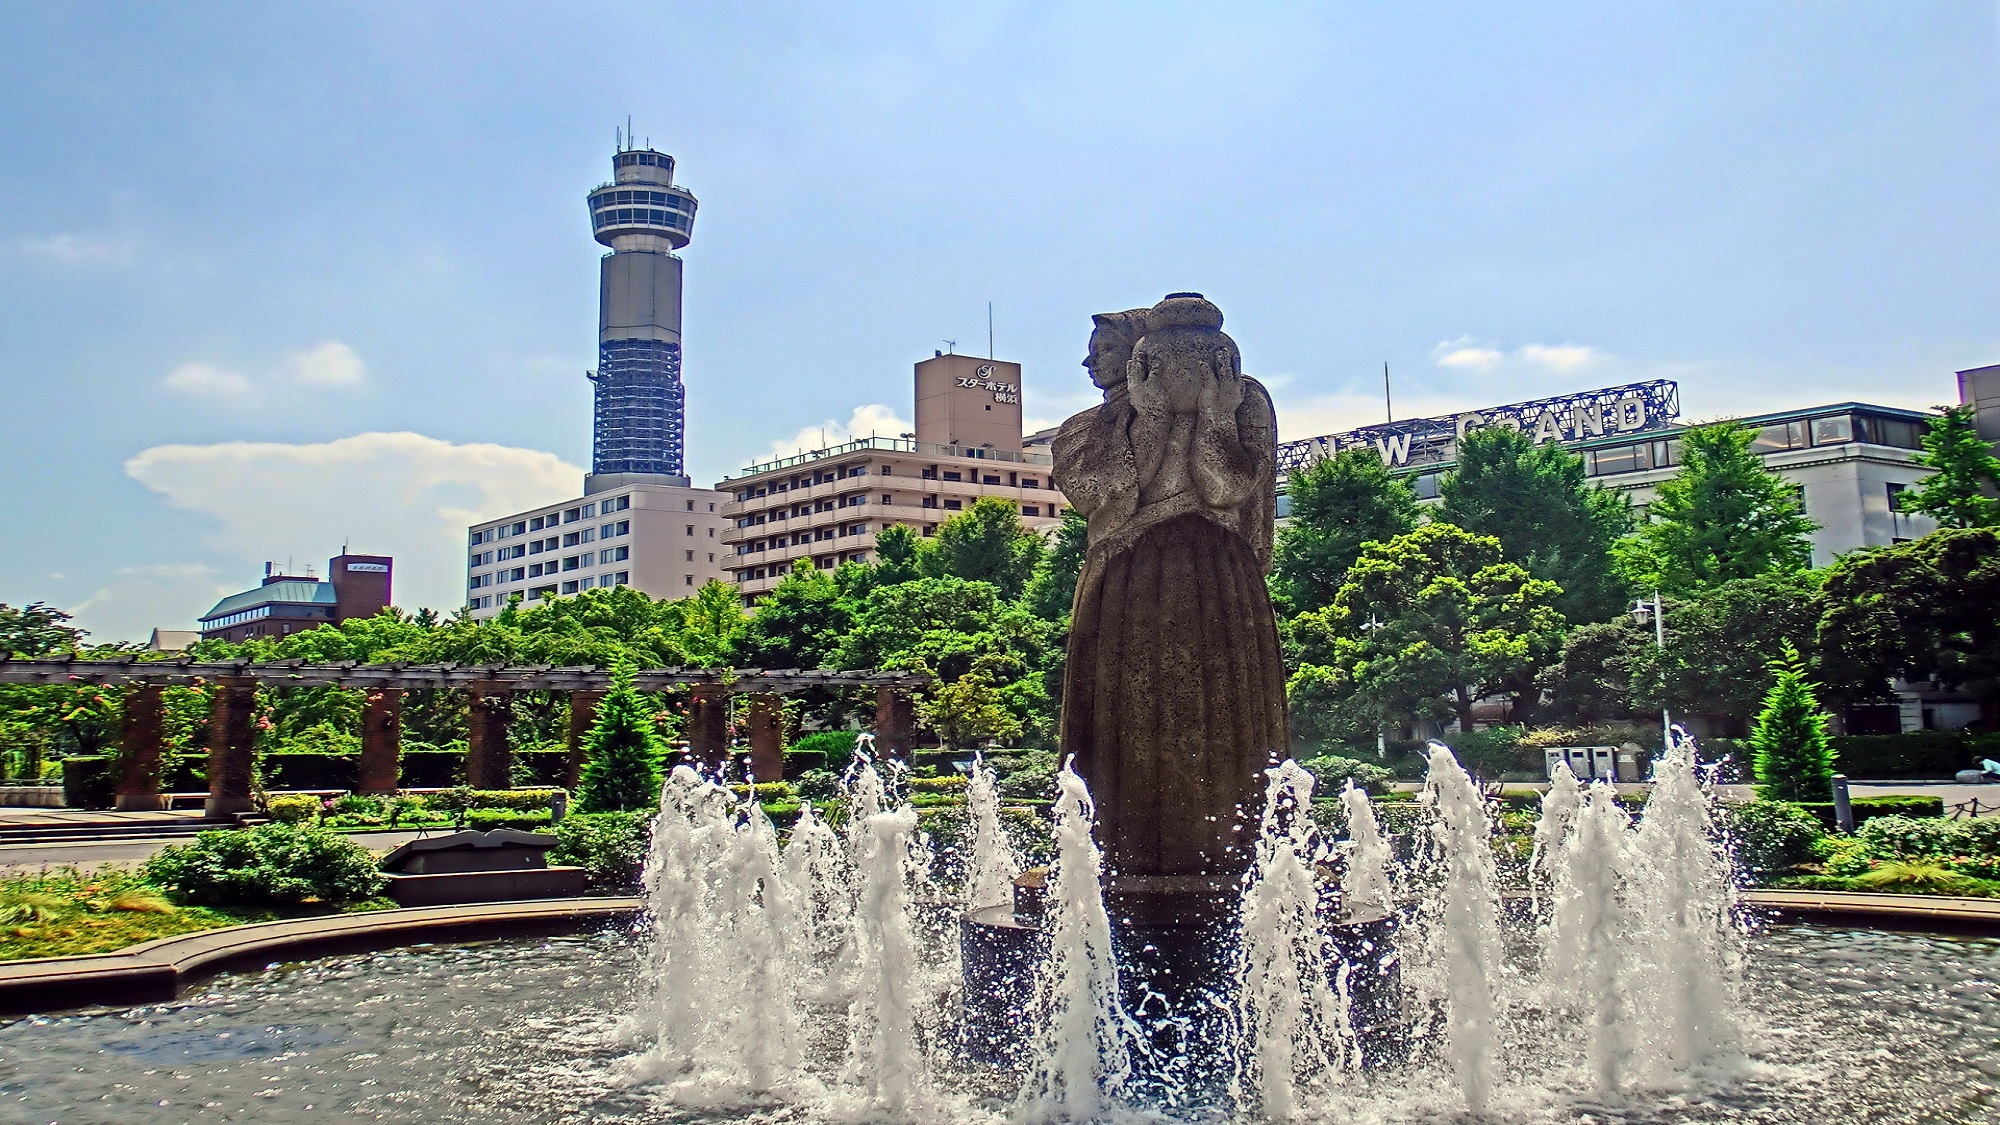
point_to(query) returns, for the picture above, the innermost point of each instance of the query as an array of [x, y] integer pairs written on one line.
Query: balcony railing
[[899, 445]]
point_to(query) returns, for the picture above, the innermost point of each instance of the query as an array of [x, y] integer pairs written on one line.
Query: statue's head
[[1183, 345], [1112, 338]]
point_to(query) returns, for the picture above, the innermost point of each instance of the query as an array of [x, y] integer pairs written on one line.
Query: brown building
[[356, 586], [828, 504]]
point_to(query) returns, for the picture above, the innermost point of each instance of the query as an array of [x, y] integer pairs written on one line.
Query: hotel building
[[827, 505]]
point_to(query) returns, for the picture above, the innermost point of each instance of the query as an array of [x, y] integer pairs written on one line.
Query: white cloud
[[139, 599], [400, 494], [200, 379], [71, 249], [1476, 358], [332, 364], [874, 420], [1561, 358]]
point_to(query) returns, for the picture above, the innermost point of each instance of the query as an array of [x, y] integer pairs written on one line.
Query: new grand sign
[[1634, 408]]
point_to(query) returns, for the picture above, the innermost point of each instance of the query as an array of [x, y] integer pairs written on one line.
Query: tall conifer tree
[[1794, 757], [1964, 471], [623, 752]]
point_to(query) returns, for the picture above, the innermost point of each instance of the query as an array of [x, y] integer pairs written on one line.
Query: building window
[[587, 583], [621, 578], [1031, 510], [989, 480], [1030, 482], [711, 533], [1833, 429], [611, 530], [954, 505], [1896, 497], [690, 528], [931, 473], [930, 502], [615, 504], [711, 556], [589, 510], [569, 587], [954, 476], [690, 578], [614, 554]]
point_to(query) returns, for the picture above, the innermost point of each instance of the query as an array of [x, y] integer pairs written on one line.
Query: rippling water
[[1846, 1027]]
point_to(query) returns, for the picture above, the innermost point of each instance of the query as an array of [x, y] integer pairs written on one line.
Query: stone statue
[[1174, 693]]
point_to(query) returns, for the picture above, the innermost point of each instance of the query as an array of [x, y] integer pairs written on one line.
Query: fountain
[[1213, 942]]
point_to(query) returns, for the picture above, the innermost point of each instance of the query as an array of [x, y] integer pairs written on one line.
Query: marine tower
[[639, 421]]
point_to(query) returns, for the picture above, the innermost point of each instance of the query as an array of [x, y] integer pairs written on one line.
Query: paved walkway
[[88, 855], [51, 818]]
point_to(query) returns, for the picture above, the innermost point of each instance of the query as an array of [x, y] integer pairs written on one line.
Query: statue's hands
[[1148, 391], [1222, 394]]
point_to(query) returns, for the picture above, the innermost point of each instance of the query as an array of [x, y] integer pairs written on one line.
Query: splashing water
[[1585, 963], [1559, 809], [1291, 1005], [995, 863], [1365, 892], [1462, 948], [883, 1056], [1082, 1052]]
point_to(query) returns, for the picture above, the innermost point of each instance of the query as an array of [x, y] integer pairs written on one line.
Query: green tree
[[970, 709], [36, 629], [1337, 504], [1926, 610], [1427, 624], [1723, 516], [984, 543], [1719, 642], [710, 622], [1053, 586], [1963, 473], [1793, 756], [897, 549], [798, 624], [1592, 683], [623, 751], [1546, 513]]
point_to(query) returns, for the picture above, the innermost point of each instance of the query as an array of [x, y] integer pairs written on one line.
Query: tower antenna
[[628, 131], [1388, 406], [989, 330]]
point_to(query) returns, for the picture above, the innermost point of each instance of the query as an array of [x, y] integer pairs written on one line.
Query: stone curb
[[1915, 912], [156, 971]]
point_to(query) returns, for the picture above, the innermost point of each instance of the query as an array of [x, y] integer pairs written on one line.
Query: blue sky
[[275, 277]]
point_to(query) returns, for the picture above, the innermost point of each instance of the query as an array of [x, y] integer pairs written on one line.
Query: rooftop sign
[[1634, 408]]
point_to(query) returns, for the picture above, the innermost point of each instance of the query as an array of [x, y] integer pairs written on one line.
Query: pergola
[[489, 689]]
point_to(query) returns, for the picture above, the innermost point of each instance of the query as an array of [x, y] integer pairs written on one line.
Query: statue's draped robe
[[1174, 691]]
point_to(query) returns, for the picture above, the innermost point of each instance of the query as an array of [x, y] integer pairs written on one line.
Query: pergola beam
[[117, 671]]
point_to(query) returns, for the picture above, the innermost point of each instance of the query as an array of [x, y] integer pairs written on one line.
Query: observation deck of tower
[[639, 419]]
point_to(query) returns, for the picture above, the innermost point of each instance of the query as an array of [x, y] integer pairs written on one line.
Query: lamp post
[[1642, 613], [1381, 732]]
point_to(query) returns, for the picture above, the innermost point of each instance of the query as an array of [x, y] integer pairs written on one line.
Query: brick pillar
[[895, 722], [582, 716], [767, 736], [232, 749], [381, 741], [489, 758], [708, 727], [139, 751]]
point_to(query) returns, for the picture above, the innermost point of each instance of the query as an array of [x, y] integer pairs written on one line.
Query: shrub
[[356, 804], [767, 791], [1869, 808], [293, 808], [1920, 878], [817, 785], [527, 819], [1332, 772], [88, 782], [522, 800], [609, 846], [269, 864], [1030, 777], [835, 747], [1773, 836], [954, 785], [1902, 837]]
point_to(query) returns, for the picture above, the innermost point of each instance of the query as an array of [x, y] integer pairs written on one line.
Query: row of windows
[[628, 159], [236, 618], [628, 216], [1802, 433], [639, 198], [824, 562], [808, 480], [802, 538], [539, 593], [553, 519], [537, 570]]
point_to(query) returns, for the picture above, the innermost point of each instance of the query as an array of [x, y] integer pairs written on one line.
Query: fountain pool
[[1841, 1026]]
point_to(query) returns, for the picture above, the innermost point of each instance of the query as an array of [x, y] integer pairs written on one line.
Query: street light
[[1381, 732], [1642, 613]]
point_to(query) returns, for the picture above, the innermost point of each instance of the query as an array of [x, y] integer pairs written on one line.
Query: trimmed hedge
[[88, 782], [421, 769], [1868, 808], [1931, 755], [312, 771]]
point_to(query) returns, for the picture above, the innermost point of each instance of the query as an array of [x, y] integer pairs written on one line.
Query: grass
[[69, 913], [1897, 878]]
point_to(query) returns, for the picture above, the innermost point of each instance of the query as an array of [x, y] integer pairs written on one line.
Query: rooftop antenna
[[1388, 407], [989, 330], [951, 347], [628, 130]]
